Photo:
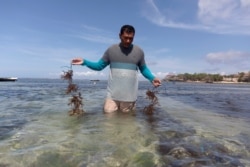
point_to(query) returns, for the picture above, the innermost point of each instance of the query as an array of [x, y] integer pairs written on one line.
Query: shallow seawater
[[194, 125]]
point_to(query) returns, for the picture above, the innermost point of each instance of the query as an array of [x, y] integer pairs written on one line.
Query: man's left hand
[[156, 82]]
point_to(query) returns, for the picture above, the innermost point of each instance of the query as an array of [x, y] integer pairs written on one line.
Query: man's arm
[[147, 74], [98, 66]]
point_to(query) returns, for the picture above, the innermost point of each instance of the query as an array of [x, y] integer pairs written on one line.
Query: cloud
[[226, 16], [230, 60], [161, 74], [230, 57], [62, 55], [89, 73], [97, 38], [91, 28], [221, 16], [94, 34], [160, 51], [152, 13]]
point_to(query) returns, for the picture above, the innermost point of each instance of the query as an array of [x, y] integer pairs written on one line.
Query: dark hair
[[127, 28]]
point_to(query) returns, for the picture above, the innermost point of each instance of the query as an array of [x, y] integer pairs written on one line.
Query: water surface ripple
[[194, 125]]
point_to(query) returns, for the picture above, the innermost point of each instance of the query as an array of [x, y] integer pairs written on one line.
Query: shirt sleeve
[[97, 66], [146, 73]]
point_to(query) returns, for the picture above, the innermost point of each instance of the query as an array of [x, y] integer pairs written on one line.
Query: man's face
[[126, 38]]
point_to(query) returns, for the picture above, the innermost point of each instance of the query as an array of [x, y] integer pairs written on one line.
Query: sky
[[39, 38]]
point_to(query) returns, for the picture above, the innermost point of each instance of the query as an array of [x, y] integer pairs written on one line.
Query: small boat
[[8, 79]]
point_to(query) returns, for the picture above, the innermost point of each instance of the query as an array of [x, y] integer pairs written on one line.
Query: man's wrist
[[83, 62]]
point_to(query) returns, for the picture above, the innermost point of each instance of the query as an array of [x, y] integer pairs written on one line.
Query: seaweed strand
[[153, 102], [76, 99]]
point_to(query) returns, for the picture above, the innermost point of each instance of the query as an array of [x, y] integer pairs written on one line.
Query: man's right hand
[[77, 61]]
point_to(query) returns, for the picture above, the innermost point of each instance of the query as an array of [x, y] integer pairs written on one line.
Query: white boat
[[8, 79]]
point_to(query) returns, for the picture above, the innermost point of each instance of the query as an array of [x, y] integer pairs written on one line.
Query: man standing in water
[[124, 60]]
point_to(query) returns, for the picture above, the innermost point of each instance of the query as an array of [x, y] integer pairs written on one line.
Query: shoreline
[[219, 82]]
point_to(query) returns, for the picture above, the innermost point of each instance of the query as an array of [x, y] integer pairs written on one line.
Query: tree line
[[204, 77]]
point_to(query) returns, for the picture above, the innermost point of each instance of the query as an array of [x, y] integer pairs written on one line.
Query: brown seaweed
[[76, 99], [153, 102], [76, 104]]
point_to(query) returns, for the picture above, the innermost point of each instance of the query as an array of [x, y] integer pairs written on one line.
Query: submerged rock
[[179, 152]]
